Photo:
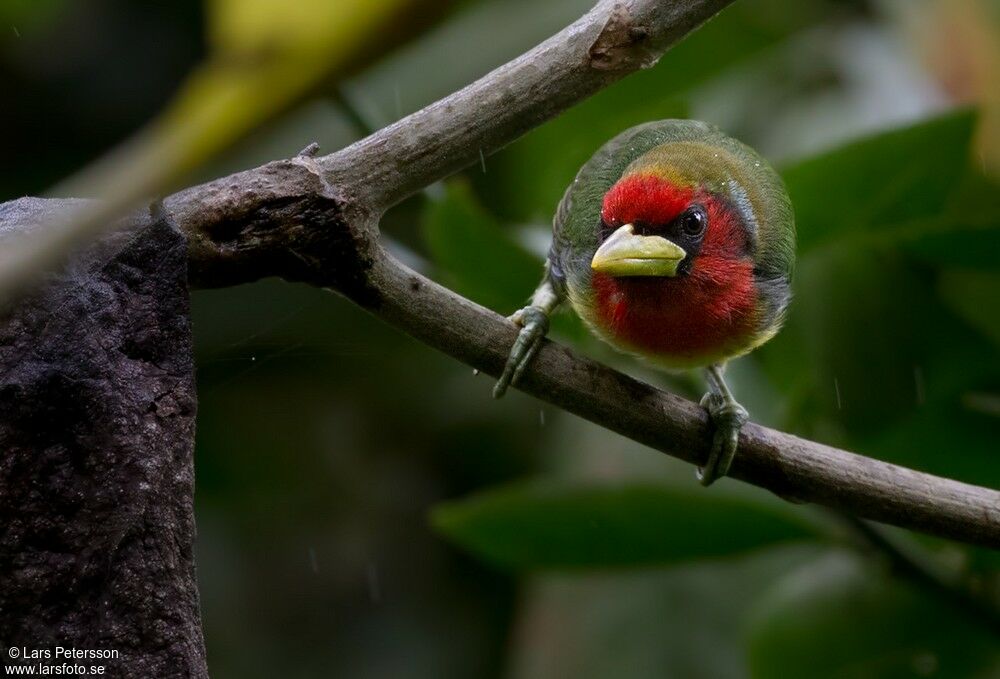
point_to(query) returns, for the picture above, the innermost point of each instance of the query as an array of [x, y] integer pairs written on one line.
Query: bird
[[674, 243]]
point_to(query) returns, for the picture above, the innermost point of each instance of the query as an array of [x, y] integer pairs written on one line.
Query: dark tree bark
[[97, 406]]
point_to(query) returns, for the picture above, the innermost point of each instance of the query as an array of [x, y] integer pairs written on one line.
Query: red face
[[710, 302], [656, 206]]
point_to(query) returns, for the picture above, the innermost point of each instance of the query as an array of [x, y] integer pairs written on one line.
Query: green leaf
[[563, 525], [838, 618], [883, 186], [19, 15], [886, 339], [480, 259], [829, 353], [973, 295], [264, 57], [874, 360], [967, 234], [477, 256]]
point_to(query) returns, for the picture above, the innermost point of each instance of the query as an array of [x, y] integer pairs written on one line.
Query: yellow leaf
[[266, 54]]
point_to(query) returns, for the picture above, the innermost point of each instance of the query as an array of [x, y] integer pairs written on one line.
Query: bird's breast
[[704, 317]]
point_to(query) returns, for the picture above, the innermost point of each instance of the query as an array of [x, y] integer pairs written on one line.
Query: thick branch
[[315, 219], [97, 410], [611, 41], [237, 223]]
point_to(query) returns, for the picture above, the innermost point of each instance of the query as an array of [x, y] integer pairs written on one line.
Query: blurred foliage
[[263, 57], [325, 441], [883, 221], [567, 142], [479, 259], [569, 526], [264, 54], [862, 623], [14, 12], [684, 621], [475, 253], [881, 187]]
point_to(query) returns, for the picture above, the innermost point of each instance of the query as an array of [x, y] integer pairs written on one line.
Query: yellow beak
[[626, 254]]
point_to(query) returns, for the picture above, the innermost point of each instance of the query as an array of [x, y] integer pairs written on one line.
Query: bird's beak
[[626, 254]]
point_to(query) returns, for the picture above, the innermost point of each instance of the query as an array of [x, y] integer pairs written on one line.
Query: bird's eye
[[693, 222]]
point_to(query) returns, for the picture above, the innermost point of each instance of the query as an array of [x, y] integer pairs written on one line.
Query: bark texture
[[97, 407]]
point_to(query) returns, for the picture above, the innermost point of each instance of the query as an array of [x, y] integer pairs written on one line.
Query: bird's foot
[[534, 322], [727, 417]]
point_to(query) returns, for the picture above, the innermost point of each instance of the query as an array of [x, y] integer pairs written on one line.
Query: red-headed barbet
[[675, 243]]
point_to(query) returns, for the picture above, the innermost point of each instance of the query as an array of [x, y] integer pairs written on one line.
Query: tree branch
[[794, 468], [614, 39], [237, 223], [316, 220]]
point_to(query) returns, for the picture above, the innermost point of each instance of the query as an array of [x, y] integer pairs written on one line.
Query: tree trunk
[[97, 407]]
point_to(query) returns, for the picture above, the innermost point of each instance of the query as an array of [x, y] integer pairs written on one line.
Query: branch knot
[[621, 44]]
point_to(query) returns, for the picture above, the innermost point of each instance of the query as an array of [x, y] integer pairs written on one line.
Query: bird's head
[[669, 217]]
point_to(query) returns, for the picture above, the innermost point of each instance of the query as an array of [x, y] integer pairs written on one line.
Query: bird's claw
[[534, 324], [728, 418]]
